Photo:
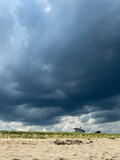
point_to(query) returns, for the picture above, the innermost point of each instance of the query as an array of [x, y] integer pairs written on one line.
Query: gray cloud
[[61, 60]]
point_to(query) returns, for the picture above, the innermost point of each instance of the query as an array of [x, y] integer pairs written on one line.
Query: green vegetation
[[44, 135]]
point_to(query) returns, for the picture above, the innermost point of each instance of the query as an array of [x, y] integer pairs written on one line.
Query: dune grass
[[45, 135]]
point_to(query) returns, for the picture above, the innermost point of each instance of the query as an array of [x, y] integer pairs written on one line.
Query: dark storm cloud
[[66, 59], [107, 116]]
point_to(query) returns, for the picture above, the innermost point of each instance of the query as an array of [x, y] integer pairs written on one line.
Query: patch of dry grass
[[44, 135]]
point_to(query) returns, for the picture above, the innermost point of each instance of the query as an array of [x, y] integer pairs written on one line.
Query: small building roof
[[79, 129]]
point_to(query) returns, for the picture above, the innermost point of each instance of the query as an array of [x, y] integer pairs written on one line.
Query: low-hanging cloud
[[60, 60]]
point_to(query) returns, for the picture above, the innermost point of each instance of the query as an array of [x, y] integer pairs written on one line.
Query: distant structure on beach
[[79, 130], [98, 132]]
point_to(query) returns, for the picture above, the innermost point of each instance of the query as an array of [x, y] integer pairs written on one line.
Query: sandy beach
[[46, 149]]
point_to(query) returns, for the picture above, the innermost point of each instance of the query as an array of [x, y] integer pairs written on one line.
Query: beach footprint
[[92, 158], [112, 158], [107, 156], [61, 159]]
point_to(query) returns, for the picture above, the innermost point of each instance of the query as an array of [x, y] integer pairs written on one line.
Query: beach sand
[[46, 149]]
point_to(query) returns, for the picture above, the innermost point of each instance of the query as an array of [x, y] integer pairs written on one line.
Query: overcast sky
[[60, 65]]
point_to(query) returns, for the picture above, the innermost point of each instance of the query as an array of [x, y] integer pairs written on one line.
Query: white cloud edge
[[67, 124], [47, 5]]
